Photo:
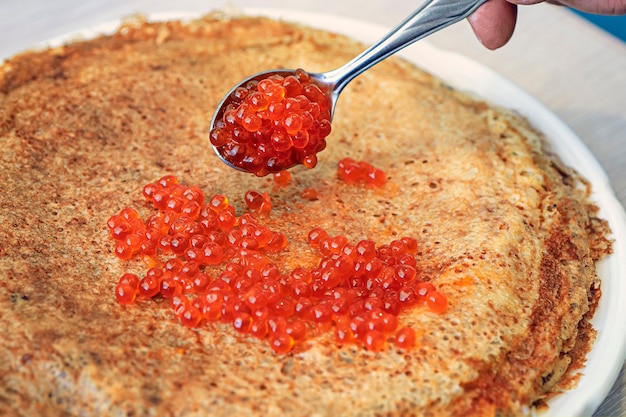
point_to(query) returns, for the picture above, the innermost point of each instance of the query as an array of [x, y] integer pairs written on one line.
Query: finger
[[523, 2], [493, 23], [605, 7]]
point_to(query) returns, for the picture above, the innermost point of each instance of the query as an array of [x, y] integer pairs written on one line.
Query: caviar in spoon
[[273, 122], [277, 119]]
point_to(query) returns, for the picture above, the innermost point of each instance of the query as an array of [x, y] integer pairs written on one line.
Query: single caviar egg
[[282, 177], [405, 338], [273, 124], [282, 343]]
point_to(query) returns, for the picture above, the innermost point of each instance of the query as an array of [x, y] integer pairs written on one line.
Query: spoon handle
[[430, 17]]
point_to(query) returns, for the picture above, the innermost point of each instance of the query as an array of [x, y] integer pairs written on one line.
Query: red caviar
[[405, 338], [282, 178], [258, 202], [274, 124], [353, 172], [212, 266]]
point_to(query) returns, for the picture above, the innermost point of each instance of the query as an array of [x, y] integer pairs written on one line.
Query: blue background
[[615, 25]]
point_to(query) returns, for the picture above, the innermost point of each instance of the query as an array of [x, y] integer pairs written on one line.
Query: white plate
[[606, 358]]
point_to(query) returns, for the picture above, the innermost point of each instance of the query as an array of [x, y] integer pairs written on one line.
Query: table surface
[[574, 68]]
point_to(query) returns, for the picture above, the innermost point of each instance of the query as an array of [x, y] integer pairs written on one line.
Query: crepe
[[505, 231]]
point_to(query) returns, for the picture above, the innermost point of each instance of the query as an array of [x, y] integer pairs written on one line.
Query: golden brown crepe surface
[[84, 127]]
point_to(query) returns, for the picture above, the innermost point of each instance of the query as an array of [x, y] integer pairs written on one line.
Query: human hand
[[494, 22]]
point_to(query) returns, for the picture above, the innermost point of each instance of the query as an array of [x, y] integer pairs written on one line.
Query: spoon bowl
[[228, 99], [430, 17]]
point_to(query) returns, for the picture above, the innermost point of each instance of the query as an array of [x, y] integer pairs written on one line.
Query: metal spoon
[[430, 17]]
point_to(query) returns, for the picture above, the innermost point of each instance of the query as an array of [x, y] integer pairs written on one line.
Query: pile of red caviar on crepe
[[357, 288], [438, 259]]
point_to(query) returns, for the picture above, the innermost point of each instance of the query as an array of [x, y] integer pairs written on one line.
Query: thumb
[[493, 23]]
